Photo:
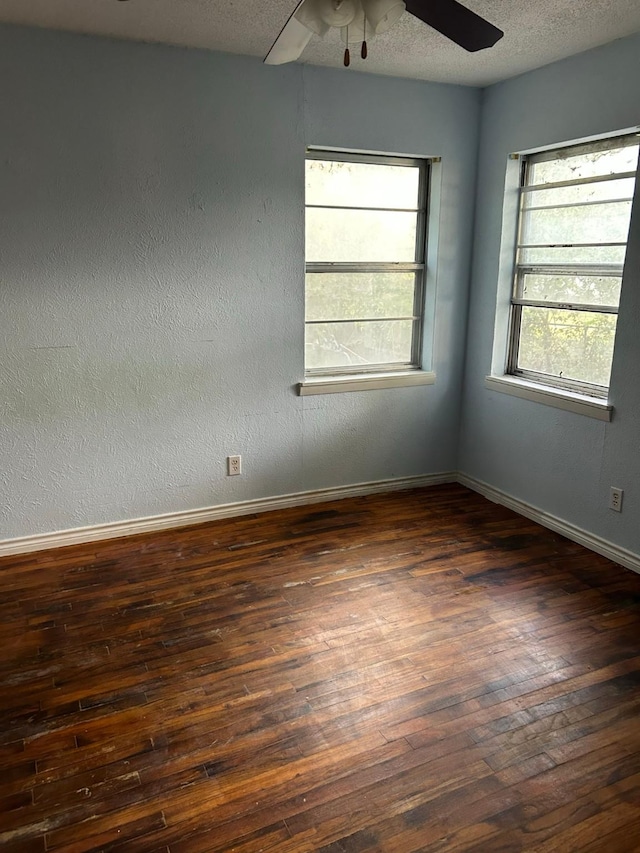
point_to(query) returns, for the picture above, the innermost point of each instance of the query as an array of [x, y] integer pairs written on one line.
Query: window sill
[[364, 382], [581, 404]]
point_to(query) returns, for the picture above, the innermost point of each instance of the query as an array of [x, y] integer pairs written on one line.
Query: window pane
[[584, 255], [600, 191], [360, 235], [358, 345], [603, 223], [346, 296], [570, 167], [569, 344], [585, 289], [361, 184]]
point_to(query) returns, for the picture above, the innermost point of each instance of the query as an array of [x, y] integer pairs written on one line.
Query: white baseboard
[[576, 534], [116, 529], [113, 530]]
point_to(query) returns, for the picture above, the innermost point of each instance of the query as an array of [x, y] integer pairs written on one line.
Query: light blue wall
[[151, 281], [560, 462]]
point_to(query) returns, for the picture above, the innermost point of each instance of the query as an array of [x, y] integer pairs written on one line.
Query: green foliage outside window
[[364, 279], [574, 222]]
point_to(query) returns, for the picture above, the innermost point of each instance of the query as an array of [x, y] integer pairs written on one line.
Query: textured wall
[[561, 462], [151, 290]]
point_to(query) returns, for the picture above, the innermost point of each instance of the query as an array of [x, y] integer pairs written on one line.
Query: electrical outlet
[[234, 466], [615, 499]]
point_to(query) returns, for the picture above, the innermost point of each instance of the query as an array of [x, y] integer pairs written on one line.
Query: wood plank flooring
[[417, 671]]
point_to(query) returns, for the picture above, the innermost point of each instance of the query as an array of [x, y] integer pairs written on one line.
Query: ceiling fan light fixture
[[357, 30], [309, 16], [289, 49], [320, 15], [382, 14], [339, 13]]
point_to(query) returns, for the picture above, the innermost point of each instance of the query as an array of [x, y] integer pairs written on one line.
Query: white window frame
[[378, 375], [518, 301]]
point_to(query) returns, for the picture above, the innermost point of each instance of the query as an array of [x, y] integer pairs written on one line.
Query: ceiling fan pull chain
[[347, 56], [363, 49]]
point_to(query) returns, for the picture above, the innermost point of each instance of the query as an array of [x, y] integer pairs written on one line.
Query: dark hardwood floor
[[418, 671]]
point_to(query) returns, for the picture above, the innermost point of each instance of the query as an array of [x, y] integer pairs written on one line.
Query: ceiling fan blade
[[456, 22], [291, 41]]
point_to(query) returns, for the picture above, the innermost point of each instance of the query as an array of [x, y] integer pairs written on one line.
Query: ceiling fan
[[362, 19]]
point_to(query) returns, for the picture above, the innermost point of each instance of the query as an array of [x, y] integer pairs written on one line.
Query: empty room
[[319, 426]]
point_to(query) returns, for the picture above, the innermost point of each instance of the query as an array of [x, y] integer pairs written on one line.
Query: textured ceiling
[[536, 32]]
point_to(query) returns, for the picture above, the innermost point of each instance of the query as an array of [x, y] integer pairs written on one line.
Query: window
[[365, 252], [575, 207]]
